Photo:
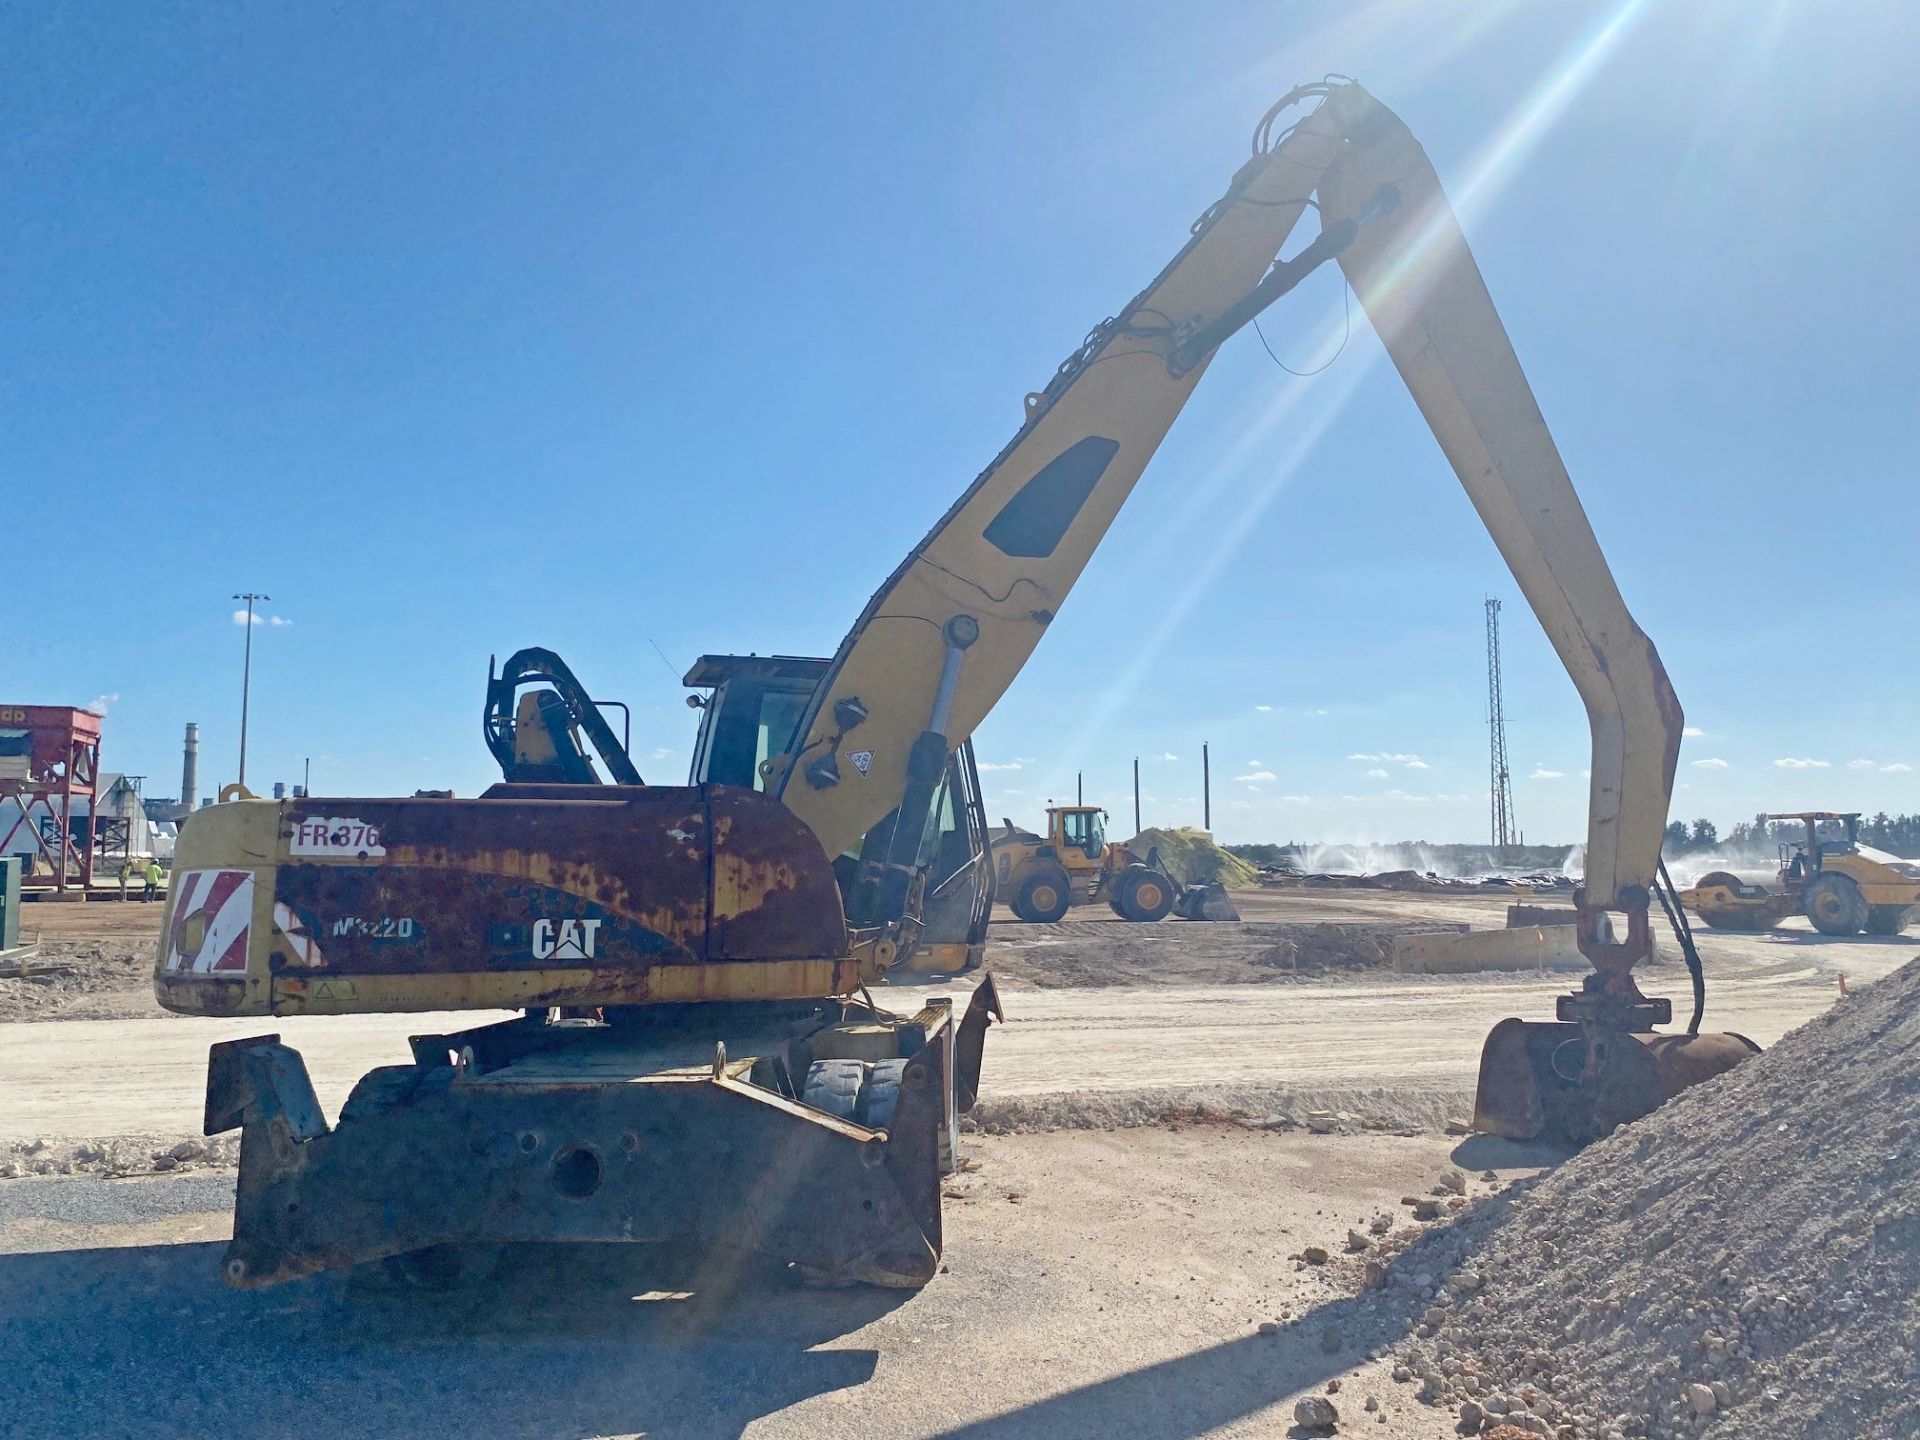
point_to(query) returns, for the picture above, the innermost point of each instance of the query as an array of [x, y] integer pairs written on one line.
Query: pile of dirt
[[82, 979], [1350, 1111], [1079, 954], [1743, 1263], [1191, 857]]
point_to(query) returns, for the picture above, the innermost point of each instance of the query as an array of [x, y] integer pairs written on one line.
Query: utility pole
[[246, 677], [1079, 787], [1500, 782], [1136, 794], [306, 777], [1206, 791]]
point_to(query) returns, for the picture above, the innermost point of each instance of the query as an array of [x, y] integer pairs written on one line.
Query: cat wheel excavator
[[693, 1053]]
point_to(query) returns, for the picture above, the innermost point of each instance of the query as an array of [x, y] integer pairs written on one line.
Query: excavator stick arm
[[1424, 295]]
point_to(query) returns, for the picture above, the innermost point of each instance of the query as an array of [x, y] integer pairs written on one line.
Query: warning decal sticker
[[212, 920]]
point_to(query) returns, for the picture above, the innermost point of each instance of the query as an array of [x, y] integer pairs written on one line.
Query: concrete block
[[1551, 947]]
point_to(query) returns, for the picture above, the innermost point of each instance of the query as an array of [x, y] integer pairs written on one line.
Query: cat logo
[[565, 939]]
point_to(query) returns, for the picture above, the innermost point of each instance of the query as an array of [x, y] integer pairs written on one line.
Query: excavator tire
[[834, 1086], [1143, 895], [1043, 897], [1835, 906], [1887, 919], [880, 1094]]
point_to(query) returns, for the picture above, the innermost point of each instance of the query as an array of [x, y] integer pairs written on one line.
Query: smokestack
[[190, 769]]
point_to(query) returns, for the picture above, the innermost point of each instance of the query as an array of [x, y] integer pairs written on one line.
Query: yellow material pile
[[1191, 857]]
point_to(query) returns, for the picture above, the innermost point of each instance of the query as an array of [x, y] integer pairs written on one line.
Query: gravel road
[[1418, 1034], [1099, 1284]]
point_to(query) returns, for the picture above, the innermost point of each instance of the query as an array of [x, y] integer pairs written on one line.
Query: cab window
[[1082, 830]]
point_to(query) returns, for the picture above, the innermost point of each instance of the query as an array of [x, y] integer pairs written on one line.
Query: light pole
[[246, 678]]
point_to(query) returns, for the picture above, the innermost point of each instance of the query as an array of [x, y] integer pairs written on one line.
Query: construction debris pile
[[1743, 1263], [1419, 881], [1192, 858]]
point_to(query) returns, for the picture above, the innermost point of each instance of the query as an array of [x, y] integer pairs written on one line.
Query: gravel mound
[[1342, 1111], [1743, 1263], [116, 1155]]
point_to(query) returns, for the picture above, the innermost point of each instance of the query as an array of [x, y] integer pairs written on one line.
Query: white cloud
[[1412, 762], [1293, 799], [1712, 762], [1540, 772], [1264, 709], [1693, 732], [240, 618], [99, 703], [1169, 755], [1376, 774], [1010, 792], [1023, 759], [1316, 712], [1255, 764], [277, 620], [1791, 764], [1240, 804], [1404, 796], [990, 765], [1258, 777], [1899, 767], [1860, 765], [662, 753]]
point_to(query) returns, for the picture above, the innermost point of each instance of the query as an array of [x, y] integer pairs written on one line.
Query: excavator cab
[[747, 716]]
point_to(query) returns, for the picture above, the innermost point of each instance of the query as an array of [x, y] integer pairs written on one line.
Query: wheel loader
[[1840, 885], [692, 1053], [1075, 864]]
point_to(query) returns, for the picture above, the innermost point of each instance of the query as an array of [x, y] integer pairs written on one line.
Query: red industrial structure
[[50, 756]]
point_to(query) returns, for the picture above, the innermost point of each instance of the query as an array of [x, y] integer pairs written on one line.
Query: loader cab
[[1079, 827]]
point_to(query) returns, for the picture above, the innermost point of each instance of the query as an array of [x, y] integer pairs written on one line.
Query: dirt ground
[[1096, 1284], [92, 961], [1144, 1183]]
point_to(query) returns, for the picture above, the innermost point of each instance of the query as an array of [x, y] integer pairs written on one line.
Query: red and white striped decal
[[212, 920], [303, 947]]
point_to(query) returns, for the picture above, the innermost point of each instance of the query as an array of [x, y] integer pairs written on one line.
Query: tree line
[[1896, 834]]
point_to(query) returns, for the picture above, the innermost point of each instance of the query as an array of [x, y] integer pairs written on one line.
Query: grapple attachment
[[1573, 1083]]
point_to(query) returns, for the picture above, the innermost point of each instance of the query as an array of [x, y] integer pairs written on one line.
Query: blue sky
[[457, 329]]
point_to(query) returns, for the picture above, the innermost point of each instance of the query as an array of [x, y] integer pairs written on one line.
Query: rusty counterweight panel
[[620, 894]]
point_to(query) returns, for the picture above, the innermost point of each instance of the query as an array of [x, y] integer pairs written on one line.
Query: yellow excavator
[[697, 1057]]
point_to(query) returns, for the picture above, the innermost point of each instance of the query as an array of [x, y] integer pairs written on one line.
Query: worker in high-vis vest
[[153, 879]]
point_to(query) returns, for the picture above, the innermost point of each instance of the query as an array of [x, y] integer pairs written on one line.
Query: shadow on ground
[[147, 1340], [1198, 1393]]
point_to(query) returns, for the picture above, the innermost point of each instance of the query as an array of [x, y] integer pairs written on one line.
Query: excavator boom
[[1003, 558]]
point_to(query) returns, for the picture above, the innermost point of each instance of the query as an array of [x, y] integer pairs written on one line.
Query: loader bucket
[[1564, 1082], [1205, 902]]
